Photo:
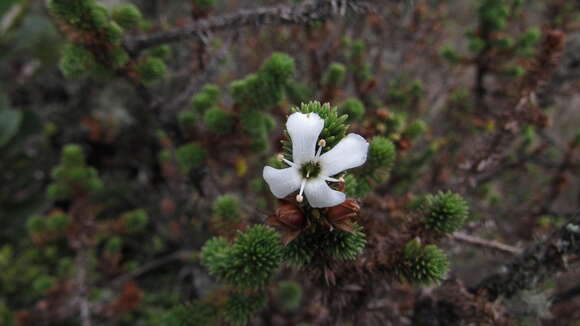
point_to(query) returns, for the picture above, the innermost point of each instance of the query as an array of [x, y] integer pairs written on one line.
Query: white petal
[[282, 181], [319, 194], [304, 130], [349, 153]]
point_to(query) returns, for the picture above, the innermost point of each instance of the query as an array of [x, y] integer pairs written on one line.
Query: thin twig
[[178, 255], [195, 85], [307, 12], [536, 264], [487, 244]]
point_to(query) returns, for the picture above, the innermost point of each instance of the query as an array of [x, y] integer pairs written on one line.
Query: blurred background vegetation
[[124, 149]]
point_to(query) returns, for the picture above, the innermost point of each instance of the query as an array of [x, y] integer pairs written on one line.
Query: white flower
[[309, 170]]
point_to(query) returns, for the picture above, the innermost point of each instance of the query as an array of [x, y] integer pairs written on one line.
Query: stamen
[[299, 197], [280, 157], [332, 179], [288, 162], [321, 144]]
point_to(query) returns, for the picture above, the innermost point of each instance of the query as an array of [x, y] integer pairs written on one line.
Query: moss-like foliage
[[258, 125], [279, 68], [151, 70], [415, 129], [58, 222], [321, 242], [266, 88], [135, 220], [226, 207], [190, 156], [335, 75], [76, 60], [353, 108], [84, 14], [161, 52], [127, 15], [196, 313], [381, 155], [241, 306], [114, 33], [289, 294], [113, 244], [423, 265], [208, 97], [36, 224], [380, 160], [493, 14], [444, 212], [334, 125], [218, 120], [186, 120], [249, 262], [215, 253], [72, 176]]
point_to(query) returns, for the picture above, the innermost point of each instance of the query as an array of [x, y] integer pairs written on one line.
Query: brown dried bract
[[340, 215], [290, 219]]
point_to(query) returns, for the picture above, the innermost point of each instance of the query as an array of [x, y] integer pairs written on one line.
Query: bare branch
[[487, 244], [307, 12], [537, 263]]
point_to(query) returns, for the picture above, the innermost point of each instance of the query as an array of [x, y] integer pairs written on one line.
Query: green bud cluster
[[208, 97], [84, 14], [72, 176], [135, 220], [524, 45], [403, 95], [258, 92], [356, 187], [190, 156], [297, 92], [36, 224], [319, 242], [335, 75], [161, 52], [241, 306], [218, 120], [493, 14], [226, 208], [91, 16], [423, 265], [444, 212], [354, 108], [380, 160], [450, 55], [57, 222], [75, 60], [196, 313], [513, 71], [289, 295], [266, 88], [42, 284], [415, 129], [249, 262], [186, 120], [334, 125], [127, 16], [361, 68], [113, 245], [258, 125], [151, 70]]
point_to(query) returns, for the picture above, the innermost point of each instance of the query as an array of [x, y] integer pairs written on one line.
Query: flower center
[[310, 170]]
